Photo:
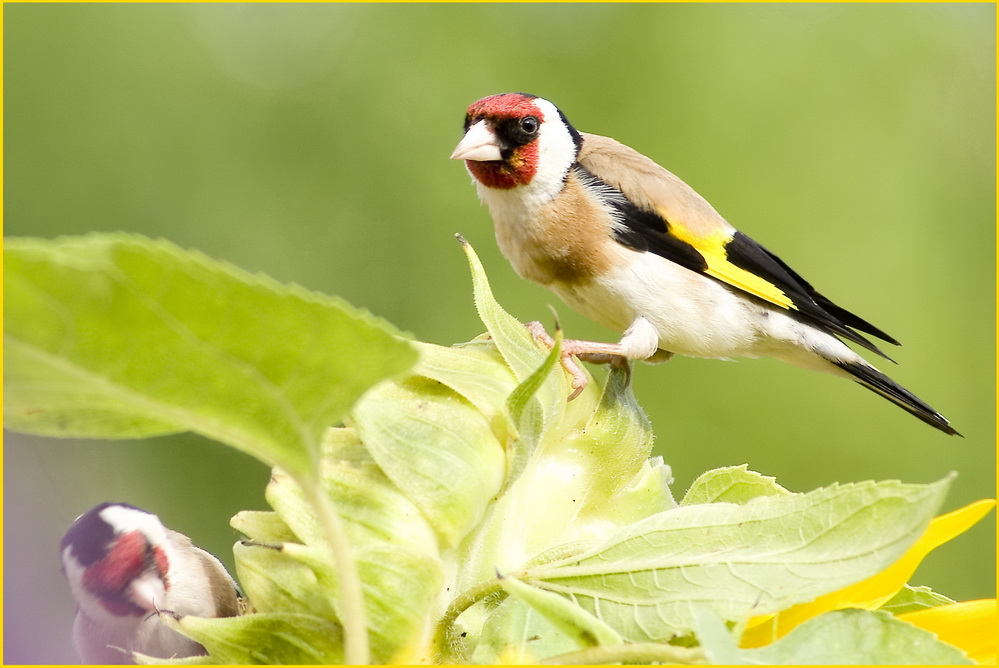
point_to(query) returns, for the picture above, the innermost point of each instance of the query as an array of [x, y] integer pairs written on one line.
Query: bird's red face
[[501, 142], [129, 561]]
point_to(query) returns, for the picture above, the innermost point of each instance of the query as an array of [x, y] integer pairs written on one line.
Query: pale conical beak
[[479, 143]]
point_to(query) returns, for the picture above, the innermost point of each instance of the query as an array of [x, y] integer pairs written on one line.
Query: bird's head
[[516, 139], [116, 559]]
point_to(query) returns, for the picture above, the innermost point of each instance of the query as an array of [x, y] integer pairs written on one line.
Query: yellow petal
[[969, 625], [515, 656], [875, 591]]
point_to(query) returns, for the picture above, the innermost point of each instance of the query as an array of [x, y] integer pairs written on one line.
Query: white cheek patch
[[556, 151], [125, 519]]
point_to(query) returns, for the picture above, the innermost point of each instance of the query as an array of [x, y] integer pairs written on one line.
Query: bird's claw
[[616, 361], [573, 350], [571, 366]]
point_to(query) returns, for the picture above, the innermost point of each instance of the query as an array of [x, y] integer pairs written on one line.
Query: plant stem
[[642, 652], [352, 614], [460, 604]]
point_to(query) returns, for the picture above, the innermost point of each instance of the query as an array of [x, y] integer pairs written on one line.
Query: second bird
[[626, 243]]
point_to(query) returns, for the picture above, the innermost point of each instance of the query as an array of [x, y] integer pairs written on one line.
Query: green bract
[[485, 518]]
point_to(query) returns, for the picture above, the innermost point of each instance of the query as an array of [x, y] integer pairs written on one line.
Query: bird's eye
[[529, 124]]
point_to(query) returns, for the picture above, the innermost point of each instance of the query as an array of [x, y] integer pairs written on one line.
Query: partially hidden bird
[[125, 570], [626, 243]]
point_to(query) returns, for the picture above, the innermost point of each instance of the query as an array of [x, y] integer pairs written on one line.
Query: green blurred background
[[310, 142]]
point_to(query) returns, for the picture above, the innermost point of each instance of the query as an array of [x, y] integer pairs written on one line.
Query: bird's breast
[[561, 239]]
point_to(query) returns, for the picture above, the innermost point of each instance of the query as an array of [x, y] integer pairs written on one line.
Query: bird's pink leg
[[593, 352]]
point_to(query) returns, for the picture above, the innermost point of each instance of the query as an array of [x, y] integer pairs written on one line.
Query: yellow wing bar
[[713, 249]]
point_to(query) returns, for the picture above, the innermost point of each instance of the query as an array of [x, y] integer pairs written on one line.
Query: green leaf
[[371, 508], [517, 402], [436, 448], [731, 484], [612, 446], [911, 599], [719, 643], [394, 547], [515, 633], [647, 493], [567, 616], [272, 638], [119, 336], [400, 589], [400, 586], [275, 582], [526, 416], [841, 637], [522, 353], [476, 371], [262, 527], [616, 439], [590, 476], [741, 560]]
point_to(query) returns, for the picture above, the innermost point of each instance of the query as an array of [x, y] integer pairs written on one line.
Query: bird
[[126, 569], [626, 243]]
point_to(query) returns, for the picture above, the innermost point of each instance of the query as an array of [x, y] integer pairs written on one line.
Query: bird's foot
[[616, 361], [572, 350]]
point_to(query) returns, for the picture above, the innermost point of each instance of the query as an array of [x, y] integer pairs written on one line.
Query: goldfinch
[[125, 569], [626, 243]]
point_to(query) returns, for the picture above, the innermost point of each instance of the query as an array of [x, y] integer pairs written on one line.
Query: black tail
[[876, 381]]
